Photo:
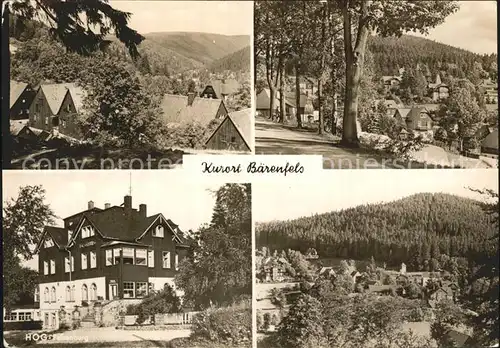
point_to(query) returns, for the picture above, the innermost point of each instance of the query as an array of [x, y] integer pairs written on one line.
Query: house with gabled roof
[[55, 109], [220, 89], [100, 255], [262, 101], [234, 133], [438, 90], [183, 110], [20, 97], [489, 145]]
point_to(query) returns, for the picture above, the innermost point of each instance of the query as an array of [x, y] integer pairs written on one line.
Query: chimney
[[191, 97], [127, 202], [143, 210], [91, 205], [107, 206]]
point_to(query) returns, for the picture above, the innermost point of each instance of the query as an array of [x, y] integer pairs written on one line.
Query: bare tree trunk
[[333, 118], [354, 69], [297, 94], [320, 107], [282, 93]]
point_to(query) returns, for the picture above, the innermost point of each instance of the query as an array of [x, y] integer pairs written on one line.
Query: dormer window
[[87, 231], [48, 243], [158, 231]]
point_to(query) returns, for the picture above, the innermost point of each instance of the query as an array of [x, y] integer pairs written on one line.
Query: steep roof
[[17, 125], [263, 98], [491, 140], [404, 112], [16, 89], [59, 235], [55, 93], [228, 86], [176, 109], [242, 119], [416, 113]]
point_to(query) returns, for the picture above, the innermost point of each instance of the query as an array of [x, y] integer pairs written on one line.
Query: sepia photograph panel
[[121, 259], [378, 84], [127, 84], [415, 266]]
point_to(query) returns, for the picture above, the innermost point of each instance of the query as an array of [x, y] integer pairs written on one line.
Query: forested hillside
[[410, 230], [201, 47], [237, 61], [392, 53]]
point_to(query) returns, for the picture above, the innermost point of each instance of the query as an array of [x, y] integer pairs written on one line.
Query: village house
[[416, 120], [438, 91], [234, 133], [20, 97], [105, 254], [489, 145], [490, 91], [446, 291], [220, 89], [55, 108], [391, 83], [190, 109], [262, 103]]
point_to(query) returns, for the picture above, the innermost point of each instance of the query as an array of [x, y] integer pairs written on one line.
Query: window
[[85, 293], [73, 293], [68, 294], [128, 290], [176, 261], [116, 255], [46, 319], [37, 107], [67, 264], [140, 257], [24, 316], [48, 243], [53, 294], [34, 117], [84, 261], [233, 139], [151, 287], [53, 323], [109, 257], [52, 266], [166, 259], [46, 121], [128, 256], [70, 234], [158, 231], [37, 294], [45, 267], [151, 258], [72, 263], [93, 292], [87, 231], [142, 289], [46, 295], [93, 259]]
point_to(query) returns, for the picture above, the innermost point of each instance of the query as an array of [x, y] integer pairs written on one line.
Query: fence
[[163, 319]]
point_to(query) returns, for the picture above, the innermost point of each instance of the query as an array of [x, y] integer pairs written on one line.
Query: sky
[[189, 204], [218, 17], [473, 27], [342, 189]]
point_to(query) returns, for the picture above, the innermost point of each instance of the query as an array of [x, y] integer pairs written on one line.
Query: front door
[[113, 291]]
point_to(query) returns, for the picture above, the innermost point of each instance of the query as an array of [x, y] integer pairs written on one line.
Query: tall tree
[[218, 269], [81, 26], [22, 226], [387, 18]]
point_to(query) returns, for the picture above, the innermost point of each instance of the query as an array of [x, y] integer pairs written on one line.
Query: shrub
[[165, 301], [228, 324]]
